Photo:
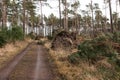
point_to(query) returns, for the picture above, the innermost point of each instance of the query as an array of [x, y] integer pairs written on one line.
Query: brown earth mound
[[64, 40]]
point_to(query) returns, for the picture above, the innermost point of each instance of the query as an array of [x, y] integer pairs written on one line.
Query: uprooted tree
[[64, 40]]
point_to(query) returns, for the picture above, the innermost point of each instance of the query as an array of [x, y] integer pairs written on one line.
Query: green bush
[[3, 37], [74, 58], [116, 37], [2, 41], [118, 62], [17, 33], [3, 33], [10, 35], [93, 50]]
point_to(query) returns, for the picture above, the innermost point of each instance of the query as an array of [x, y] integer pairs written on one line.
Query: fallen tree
[[64, 40]]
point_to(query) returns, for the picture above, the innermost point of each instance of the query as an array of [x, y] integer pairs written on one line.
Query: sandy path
[[4, 73], [32, 62], [42, 70]]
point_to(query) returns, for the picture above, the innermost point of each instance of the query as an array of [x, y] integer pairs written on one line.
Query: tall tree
[[60, 21], [119, 2], [31, 11], [75, 7], [91, 6], [91, 9], [24, 19], [65, 15], [14, 11], [53, 22], [0, 12], [98, 16], [86, 20], [111, 18], [4, 12], [98, 19], [115, 20], [105, 3]]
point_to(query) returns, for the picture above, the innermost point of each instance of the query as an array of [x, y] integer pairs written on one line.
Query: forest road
[[40, 70]]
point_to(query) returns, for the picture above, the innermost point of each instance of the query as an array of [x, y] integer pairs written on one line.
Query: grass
[[10, 50], [63, 69], [101, 70]]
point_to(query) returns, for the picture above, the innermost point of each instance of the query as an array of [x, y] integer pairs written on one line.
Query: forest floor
[[30, 64], [10, 50], [39, 62], [104, 69]]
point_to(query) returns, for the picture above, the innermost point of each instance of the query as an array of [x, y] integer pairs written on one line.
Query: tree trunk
[[111, 19], [119, 2], [4, 14], [41, 13], [66, 17], [116, 26], [51, 30], [105, 18], [24, 20], [60, 22], [92, 17]]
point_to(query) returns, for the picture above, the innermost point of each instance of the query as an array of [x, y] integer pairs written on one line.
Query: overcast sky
[[54, 4]]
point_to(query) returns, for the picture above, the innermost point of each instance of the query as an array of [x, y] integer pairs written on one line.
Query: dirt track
[[31, 64]]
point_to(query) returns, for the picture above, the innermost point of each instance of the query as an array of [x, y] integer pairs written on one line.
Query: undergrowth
[[97, 50], [10, 35]]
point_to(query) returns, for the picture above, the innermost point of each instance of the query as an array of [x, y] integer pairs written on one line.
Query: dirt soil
[[31, 64]]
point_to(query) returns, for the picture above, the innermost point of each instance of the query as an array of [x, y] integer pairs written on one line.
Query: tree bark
[[66, 17], [92, 17], [60, 22], [4, 14], [111, 19], [24, 20]]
